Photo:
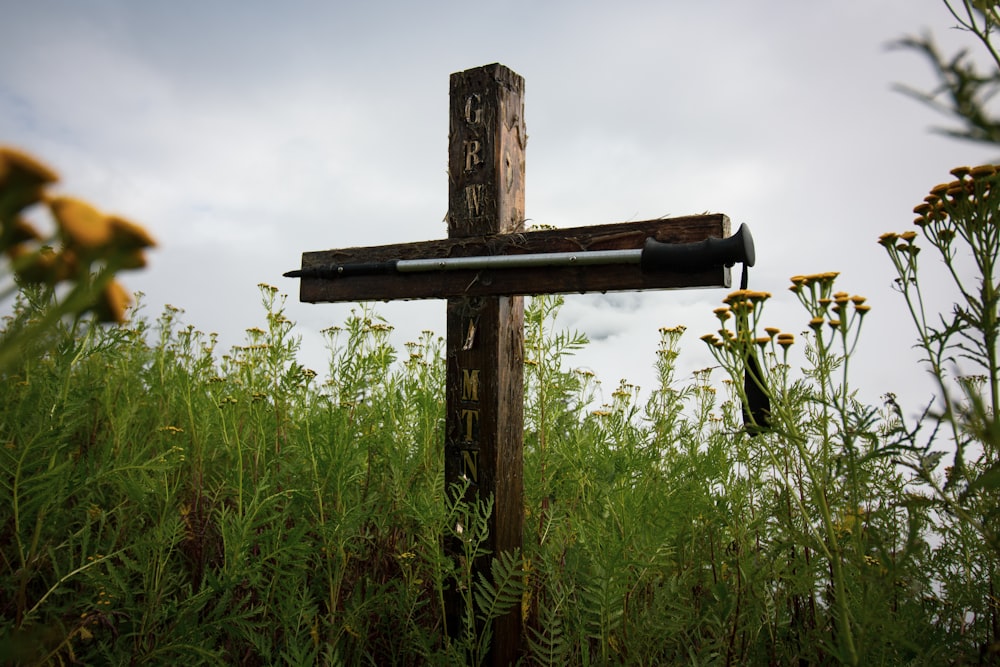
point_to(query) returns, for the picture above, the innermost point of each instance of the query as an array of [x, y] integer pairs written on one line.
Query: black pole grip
[[690, 257], [330, 271]]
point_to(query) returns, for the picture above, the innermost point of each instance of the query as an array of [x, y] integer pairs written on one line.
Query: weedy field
[[164, 501]]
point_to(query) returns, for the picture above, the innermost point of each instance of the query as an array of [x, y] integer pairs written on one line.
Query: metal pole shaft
[[592, 258]]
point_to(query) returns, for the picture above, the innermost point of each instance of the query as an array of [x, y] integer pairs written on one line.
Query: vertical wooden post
[[485, 335]]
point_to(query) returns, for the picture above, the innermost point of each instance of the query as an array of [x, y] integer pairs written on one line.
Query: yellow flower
[[44, 265], [82, 225], [134, 259], [128, 235], [983, 171], [888, 239], [737, 297], [19, 167], [785, 339], [960, 172], [816, 322], [772, 331], [21, 231], [112, 303], [722, 313], [21, 180]]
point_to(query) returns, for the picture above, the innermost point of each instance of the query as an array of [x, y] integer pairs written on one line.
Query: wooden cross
[[485, 313]]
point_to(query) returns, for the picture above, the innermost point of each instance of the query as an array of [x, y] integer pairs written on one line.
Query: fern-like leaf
[[501, 592]]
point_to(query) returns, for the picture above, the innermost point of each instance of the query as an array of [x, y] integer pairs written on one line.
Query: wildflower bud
[[786, 339], [862, 309], [737, 297], [112, 302], [772, 331], [21, 231], [21, 180], [888, 239], [82, 225], [958, 192], [816, 323], [128, 235], [960, 172], [983, 171], [722, 313]]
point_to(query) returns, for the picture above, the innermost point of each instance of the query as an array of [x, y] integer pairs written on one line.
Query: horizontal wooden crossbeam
[[528, 280]]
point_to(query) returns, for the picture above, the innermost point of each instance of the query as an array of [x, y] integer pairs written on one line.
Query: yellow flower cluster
[[816, 282], [88, 239], [958, 207], [836, 310], [744, 306], [970, 185]]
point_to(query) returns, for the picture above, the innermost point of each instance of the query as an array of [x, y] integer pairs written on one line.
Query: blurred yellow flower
[[17, 165], [21, 180], [128, 235], [112, 303], [82, 225]]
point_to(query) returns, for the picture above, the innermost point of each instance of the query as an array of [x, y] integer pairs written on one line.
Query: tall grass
[[166, 501]]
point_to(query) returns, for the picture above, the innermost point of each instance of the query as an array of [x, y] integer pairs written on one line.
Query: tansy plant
[[81, 257], [819, 438], [958, 219]]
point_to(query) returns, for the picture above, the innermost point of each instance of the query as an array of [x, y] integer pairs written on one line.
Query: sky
[[241, 134]]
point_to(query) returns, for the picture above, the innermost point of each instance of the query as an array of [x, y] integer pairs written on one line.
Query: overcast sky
[[243, 133]]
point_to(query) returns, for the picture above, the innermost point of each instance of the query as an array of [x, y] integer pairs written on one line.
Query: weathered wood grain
[[539, 280]]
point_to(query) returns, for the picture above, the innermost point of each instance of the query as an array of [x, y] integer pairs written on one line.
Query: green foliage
[[964, 90], [167, 502]]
